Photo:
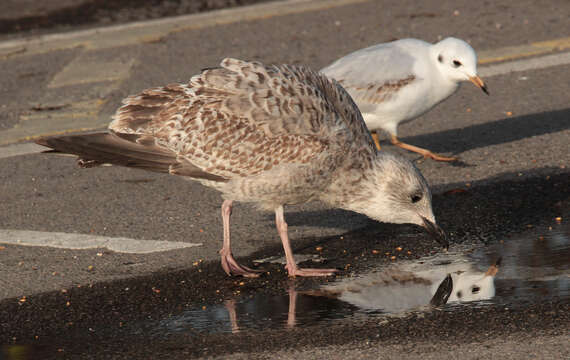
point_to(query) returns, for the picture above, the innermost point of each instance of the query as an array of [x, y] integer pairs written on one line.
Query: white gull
[[401, 80]]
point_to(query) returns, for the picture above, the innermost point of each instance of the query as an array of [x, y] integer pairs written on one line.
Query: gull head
[[472, 286], [457, 61], [394, 191]]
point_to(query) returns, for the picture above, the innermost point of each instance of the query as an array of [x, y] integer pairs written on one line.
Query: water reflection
[[531, 268], [412, 285], [259, 312]]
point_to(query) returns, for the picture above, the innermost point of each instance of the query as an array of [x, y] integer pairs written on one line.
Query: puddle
[[531, 268]]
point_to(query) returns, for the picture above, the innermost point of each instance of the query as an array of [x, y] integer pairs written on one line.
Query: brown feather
[[129, 150]]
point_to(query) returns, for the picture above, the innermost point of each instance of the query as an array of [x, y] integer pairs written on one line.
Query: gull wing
[[376, 74], [244, 118]]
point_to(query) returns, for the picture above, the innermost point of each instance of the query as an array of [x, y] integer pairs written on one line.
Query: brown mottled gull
[[271, 135]]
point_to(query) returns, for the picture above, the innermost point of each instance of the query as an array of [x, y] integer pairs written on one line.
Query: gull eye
[[475, 289], [415, 198], [459, 294], [456, 63], [440, 58]]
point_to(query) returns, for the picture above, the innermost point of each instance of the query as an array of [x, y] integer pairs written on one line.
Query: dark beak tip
[[442, 240], [498, 261], [485, 90], [437, 233]]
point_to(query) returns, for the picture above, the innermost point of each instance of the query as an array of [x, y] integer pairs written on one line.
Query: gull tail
[[101, 148]]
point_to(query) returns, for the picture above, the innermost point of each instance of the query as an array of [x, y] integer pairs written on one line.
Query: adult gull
[[398, 81]]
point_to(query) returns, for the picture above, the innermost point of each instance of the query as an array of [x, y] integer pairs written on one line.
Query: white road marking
[[484, 71], [20, 149], [537, 63], [82, 241], [151, 30]]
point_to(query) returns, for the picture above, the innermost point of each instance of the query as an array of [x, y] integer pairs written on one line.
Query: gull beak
[[436, 232], [494, 269], [443, 292], [479, 83]]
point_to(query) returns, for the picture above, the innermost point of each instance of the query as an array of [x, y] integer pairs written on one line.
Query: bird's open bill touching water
[[270, 135], [398, 81]]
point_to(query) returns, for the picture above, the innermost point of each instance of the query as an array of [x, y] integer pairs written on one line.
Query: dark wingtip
[[42, 141]]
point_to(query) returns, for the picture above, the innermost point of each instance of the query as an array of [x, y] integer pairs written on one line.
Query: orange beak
[[479, 83], [494, 269]]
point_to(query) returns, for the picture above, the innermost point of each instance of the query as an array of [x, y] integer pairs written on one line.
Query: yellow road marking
[[522, 51], [153, 30]]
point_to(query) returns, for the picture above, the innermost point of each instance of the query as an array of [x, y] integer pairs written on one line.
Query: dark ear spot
[[440, 58], [459, 294]]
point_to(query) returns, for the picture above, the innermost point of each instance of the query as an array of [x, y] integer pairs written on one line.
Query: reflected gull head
[[412, 286]]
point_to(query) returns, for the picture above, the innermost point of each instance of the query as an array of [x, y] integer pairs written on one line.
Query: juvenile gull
[[401, 80], [271, 135]]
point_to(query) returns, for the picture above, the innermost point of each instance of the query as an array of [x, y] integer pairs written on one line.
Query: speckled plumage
[[271, 135], [254, 126]]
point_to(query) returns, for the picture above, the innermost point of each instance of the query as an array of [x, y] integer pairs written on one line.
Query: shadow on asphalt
[[505, 202], [104, 12], [502, 131], [94, 318]]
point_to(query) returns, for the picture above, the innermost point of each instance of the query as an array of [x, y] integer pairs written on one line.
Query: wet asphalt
[[94, 320], [513, 181]]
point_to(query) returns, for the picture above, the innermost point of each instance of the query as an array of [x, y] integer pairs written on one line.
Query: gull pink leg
[[292, 313], [291, 265], [229, 264]]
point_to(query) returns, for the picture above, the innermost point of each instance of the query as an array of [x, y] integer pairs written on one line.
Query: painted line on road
[[153, 30], [522, 51], [82, 242], [538, 63], [80, 109], [484, 71], [20, 149]]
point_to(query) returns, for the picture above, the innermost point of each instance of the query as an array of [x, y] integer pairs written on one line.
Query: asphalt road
[[514, 173]]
